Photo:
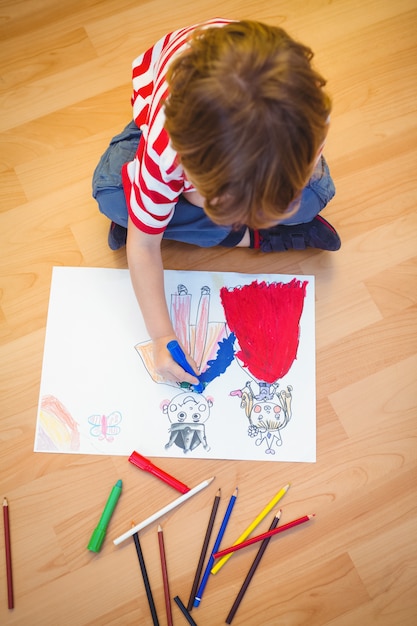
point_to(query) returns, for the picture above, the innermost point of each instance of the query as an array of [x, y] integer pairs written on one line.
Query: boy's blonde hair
[[247, 114]]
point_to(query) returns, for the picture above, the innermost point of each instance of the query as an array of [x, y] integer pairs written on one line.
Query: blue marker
[[179, 357]]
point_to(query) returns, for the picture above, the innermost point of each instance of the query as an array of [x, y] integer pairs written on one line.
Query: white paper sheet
[[99, 394]]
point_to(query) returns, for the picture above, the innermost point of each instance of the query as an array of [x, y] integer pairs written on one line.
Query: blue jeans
[[189, 223]]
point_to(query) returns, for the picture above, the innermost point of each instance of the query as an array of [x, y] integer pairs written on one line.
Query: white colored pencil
[[161, 512]]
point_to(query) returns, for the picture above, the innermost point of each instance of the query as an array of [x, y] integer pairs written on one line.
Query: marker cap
[[96, 540], [99, 533]]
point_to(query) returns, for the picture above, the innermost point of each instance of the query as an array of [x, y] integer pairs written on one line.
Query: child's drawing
[[187, 413], [57, 431], [212, 351], [206, 341], [105, 427], [265, 317], [268, 412], [251, 336]]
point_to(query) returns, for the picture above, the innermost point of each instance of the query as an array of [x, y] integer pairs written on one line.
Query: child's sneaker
[[315, 234], [117, 236]]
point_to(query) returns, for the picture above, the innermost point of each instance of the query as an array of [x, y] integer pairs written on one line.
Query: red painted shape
[[266, 321]]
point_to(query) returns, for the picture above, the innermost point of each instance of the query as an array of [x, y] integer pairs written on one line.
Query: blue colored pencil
[[219, 537]]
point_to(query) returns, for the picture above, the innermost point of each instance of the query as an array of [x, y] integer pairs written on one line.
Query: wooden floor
[[65, 90]]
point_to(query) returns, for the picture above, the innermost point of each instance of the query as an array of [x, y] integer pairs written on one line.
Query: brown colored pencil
[[251, 571], [10, 600], [165, 575], [204, 550]]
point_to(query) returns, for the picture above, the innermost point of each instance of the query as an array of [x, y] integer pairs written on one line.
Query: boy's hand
[[167, 367]]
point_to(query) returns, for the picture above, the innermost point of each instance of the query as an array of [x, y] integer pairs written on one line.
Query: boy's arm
[[147, 275]]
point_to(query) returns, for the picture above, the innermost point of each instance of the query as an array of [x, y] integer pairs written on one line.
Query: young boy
[[225, 148]]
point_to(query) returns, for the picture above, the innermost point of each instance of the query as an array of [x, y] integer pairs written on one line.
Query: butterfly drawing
[[105, 426]]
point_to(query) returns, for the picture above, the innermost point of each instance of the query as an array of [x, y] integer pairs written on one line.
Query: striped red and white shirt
[[154, 180]]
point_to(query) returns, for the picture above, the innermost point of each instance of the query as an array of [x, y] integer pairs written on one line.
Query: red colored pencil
[[165, 575], [269, 533], [8, 554]]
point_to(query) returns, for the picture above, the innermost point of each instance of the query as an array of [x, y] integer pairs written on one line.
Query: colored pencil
[[204, 550], [10, 600], [281, 493], [161, 512], [219, 537], [251, 571], [146, 580], [184, 611], [165, 575], [269, 533]]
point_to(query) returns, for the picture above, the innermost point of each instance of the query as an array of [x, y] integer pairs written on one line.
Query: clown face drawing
[[268, 413], [187, 414]]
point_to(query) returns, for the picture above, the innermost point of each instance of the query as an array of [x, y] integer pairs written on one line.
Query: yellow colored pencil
[[251, 527]]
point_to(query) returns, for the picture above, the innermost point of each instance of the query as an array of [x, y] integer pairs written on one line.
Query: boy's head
[[247, 115]]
